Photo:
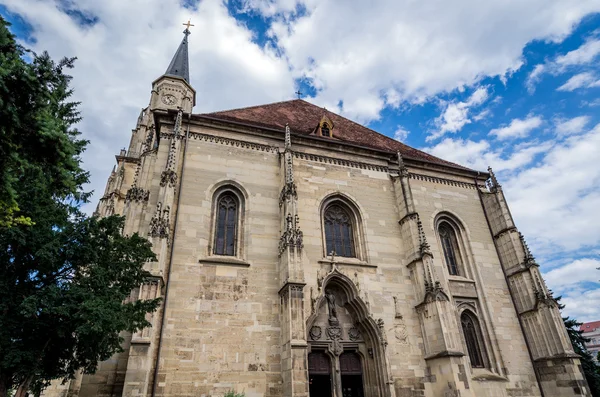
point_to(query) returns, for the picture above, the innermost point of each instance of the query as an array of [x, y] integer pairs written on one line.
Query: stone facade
[[282, 316]]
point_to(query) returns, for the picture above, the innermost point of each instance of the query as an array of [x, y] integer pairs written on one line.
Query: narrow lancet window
[[450, 248], [226, 227], [472, 334], [339, 236], [325, 130]]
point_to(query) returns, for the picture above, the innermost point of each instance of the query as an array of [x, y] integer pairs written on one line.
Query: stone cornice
[[444, 181], [342, 162], [230, 142]]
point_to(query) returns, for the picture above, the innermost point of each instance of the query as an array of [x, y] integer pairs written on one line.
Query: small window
[[472, 333], [325, 131], [339, 234], [226, 225], [450, 248]]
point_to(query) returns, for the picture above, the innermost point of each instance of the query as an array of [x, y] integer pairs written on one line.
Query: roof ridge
[[254, 106]]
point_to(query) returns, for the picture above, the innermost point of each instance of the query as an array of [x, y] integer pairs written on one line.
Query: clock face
[[169, 99]]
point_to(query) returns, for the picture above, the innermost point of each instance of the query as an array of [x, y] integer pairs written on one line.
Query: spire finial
[[187, 27], [179, 66]]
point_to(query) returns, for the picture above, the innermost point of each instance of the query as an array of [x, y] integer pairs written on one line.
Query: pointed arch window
[[226, 225], [450, 248], [325, 131], [339, 231], [472, 334]]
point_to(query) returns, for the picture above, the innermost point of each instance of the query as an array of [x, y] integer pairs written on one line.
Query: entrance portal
[[351, 371], [319, 375]]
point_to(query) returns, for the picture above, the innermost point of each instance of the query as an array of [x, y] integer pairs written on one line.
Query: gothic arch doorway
[[343, 335]]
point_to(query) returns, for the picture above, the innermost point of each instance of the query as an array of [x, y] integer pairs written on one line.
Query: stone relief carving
[[159, 224], [354, 334], [401, 333], [168, 177], [292, 236], [288, 191], [137, 194], [316, 333], [333, 319]]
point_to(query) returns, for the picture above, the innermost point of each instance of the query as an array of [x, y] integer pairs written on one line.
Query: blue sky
[[511, 84]]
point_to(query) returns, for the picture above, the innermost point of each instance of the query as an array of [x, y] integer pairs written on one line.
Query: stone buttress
[[436, 313], [294, 365], [557, 366]]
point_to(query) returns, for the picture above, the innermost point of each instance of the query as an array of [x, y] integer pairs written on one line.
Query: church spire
[[179, 66]]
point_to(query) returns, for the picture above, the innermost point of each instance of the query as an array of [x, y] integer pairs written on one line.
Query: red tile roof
[[303, 118], [589, 327]]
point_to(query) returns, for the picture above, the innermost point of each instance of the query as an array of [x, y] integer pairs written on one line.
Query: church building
[[303, 254]]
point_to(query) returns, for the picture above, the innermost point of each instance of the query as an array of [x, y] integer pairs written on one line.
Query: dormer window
[[325, 127]]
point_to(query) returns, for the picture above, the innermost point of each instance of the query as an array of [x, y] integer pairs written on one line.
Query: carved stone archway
[[340, 323]]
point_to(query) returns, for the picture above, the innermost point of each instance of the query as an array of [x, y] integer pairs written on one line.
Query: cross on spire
[[187, 26], [298, 93]]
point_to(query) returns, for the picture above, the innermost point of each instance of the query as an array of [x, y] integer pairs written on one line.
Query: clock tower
[[172, 90]]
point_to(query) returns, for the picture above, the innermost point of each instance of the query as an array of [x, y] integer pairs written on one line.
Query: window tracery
[[226, 225], [450, 248], [339, 231], [473, 340]]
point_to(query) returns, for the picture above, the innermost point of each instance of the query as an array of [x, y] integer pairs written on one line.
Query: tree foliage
[[65, 278]]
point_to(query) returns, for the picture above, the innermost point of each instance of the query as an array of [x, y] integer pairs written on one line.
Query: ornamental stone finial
[[424, 245], [401, 165], [494, 185]]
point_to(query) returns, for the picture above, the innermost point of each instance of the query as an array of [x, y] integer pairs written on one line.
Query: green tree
[[65, 278]]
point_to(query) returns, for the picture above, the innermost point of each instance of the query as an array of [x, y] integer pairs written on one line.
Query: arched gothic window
[[472, 333], [226, 225], [339, 233], [450, 248], [325, 131]]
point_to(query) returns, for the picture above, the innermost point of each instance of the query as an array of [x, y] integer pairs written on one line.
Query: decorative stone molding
[[444, 181], [492, 183], [232, 142], [168, 177], [289, 191], [159, 224], [137, 194], [423, 244], [528, 259], [292, 236], [342, 162], [408, 217]]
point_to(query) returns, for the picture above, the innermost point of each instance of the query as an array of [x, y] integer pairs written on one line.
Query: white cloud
[[553, 187], [534, 77], [569, 281], [556, 200], [456, 114], [401, 134], [355, 49], [582, 304], [518, 128], [581, 80], [571, 126], [479, 155], [583, 55], [578, 271]]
